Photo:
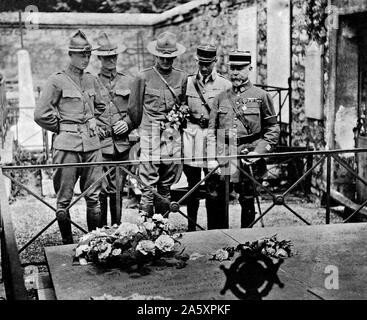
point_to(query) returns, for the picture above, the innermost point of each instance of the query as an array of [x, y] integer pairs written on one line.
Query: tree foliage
[[127, 6]]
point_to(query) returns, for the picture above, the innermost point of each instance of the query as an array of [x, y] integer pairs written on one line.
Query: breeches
[[109, 184], [64, 179]]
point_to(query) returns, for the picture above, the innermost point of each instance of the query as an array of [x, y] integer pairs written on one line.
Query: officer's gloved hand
[[120, 127]]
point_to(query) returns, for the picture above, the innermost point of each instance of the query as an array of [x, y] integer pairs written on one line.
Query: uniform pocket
[[152, 96], [252, 115], [122, 92], [72, 94]]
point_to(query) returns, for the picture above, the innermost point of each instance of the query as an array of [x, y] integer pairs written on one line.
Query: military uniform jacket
[[261, 130], [195, 137], [62, 103], [115, 90], [150, 99]]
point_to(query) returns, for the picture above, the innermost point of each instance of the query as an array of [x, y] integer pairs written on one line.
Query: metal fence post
[[328, 187], [118, 191]]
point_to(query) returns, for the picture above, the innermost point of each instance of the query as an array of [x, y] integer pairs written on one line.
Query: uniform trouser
[[109, 188], [160, 177], [246, 190], [64, 182], [158, 174], [214, 199]]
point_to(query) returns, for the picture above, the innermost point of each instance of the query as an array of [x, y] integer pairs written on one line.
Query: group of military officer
[[92, 116]]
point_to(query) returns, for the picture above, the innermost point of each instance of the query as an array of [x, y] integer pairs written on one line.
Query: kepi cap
[[206, 53], [239, 58]]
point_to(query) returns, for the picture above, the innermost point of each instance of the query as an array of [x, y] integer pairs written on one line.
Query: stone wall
[[48, 49], [216, 23]]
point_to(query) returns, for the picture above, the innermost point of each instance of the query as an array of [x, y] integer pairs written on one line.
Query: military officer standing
[[69, 103], [154, 93], [243, 117], [112, 124], [202, 87]]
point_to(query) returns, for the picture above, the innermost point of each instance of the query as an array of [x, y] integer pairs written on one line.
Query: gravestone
[[278, 37], [314, 82], [247, 35]]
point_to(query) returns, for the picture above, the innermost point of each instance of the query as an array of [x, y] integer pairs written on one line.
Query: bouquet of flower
[[269, 247], [129, 244], [178, 116]]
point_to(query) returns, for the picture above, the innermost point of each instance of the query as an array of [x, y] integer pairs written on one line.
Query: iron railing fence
[[282, 97], [319, 158]]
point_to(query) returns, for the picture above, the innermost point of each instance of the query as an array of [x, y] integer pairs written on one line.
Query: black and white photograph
[[201, 152]]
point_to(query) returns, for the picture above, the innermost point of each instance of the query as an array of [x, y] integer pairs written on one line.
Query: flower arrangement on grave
[[131, 244], [268, 246]]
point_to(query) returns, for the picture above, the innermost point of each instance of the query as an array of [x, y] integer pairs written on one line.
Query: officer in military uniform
[[202, 87], [112, 124], [69, 103], [154, 93], [243, 118]]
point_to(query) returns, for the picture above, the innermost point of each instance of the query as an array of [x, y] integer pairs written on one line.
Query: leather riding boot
[[93, 218], [247, 212], [147, 208], [162, 206], [103, 202], [63, 220], [215, 203], [192, 213], [115, 215]]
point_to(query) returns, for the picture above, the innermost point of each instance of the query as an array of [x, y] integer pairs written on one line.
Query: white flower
[[81, 249], [221, 255], [116, 252], [149, 225], [165, 243], [145, 247], [106, 253], [127, 229], [159, 218]]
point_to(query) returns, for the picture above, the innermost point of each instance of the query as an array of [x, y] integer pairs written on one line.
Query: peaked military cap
[[239, 58], [79, 43], [206, 53], [106, 47], [166, 46]]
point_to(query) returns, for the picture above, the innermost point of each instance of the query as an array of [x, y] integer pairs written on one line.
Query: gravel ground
[[30, 216]]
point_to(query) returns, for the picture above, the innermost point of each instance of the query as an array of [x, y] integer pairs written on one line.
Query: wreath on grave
[[132, 244]]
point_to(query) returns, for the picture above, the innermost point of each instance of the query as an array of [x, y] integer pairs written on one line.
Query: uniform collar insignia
[[243, 88], [211, 77]]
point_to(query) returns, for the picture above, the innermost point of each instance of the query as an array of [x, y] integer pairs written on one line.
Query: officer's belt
[[243, 140], [202, 122], [77, 127]]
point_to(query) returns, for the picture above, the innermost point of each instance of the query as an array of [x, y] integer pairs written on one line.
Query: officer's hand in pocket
[[120, 127]]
